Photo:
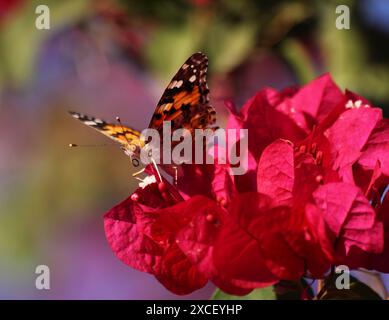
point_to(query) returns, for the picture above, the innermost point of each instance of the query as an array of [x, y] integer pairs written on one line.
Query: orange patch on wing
[[186, 97], [122, 134]]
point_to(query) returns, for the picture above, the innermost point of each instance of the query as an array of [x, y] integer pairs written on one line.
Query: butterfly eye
[[135, 162]]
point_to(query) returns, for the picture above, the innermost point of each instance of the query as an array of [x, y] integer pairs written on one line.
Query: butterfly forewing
[[185, 101]]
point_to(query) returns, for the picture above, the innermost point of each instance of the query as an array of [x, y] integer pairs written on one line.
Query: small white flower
[[356, 105], [146, 181]]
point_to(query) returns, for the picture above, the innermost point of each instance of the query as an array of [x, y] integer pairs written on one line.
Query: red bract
[[264, 121], [288, 178], [312, 197], [174, 243], [141, 231], [352, 222]]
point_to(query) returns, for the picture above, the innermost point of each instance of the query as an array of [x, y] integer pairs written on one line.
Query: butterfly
[[185, 103]]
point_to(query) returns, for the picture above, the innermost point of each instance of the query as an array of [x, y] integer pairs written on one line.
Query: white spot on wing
[[90, 123], [172, 84], [192, 78]]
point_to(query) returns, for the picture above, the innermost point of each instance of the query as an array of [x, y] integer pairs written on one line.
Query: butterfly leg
[[138, 172], [135, 174]]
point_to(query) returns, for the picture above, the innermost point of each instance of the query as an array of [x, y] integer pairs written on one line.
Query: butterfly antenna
[[74, 145], [123, 131]]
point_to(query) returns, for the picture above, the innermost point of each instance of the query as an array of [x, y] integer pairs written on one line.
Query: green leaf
[[293, 290], [257, 294]]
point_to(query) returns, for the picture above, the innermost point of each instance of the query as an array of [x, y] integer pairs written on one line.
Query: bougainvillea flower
[[351, 221], [288, 178], [346, 136], [312, 197], [173, 241], [132, 234]]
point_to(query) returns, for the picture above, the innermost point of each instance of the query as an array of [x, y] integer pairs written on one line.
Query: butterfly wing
[[125, 136], [185, 101]]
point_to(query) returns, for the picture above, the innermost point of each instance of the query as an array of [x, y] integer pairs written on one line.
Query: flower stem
[[320, 287]]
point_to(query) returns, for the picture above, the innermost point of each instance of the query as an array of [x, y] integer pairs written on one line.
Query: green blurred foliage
[[347, 54], [283, 290], [228, 31], [257, 294], [58, 186], [20, 40]]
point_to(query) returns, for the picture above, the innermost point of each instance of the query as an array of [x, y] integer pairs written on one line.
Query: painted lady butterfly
[[185, 103]]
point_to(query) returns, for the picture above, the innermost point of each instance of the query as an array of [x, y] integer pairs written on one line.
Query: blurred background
[[113, 58]]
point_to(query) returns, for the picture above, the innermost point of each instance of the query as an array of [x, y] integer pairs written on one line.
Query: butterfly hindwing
[[185, 101]]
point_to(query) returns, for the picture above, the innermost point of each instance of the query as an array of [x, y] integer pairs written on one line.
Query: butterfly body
[[185, 103]]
